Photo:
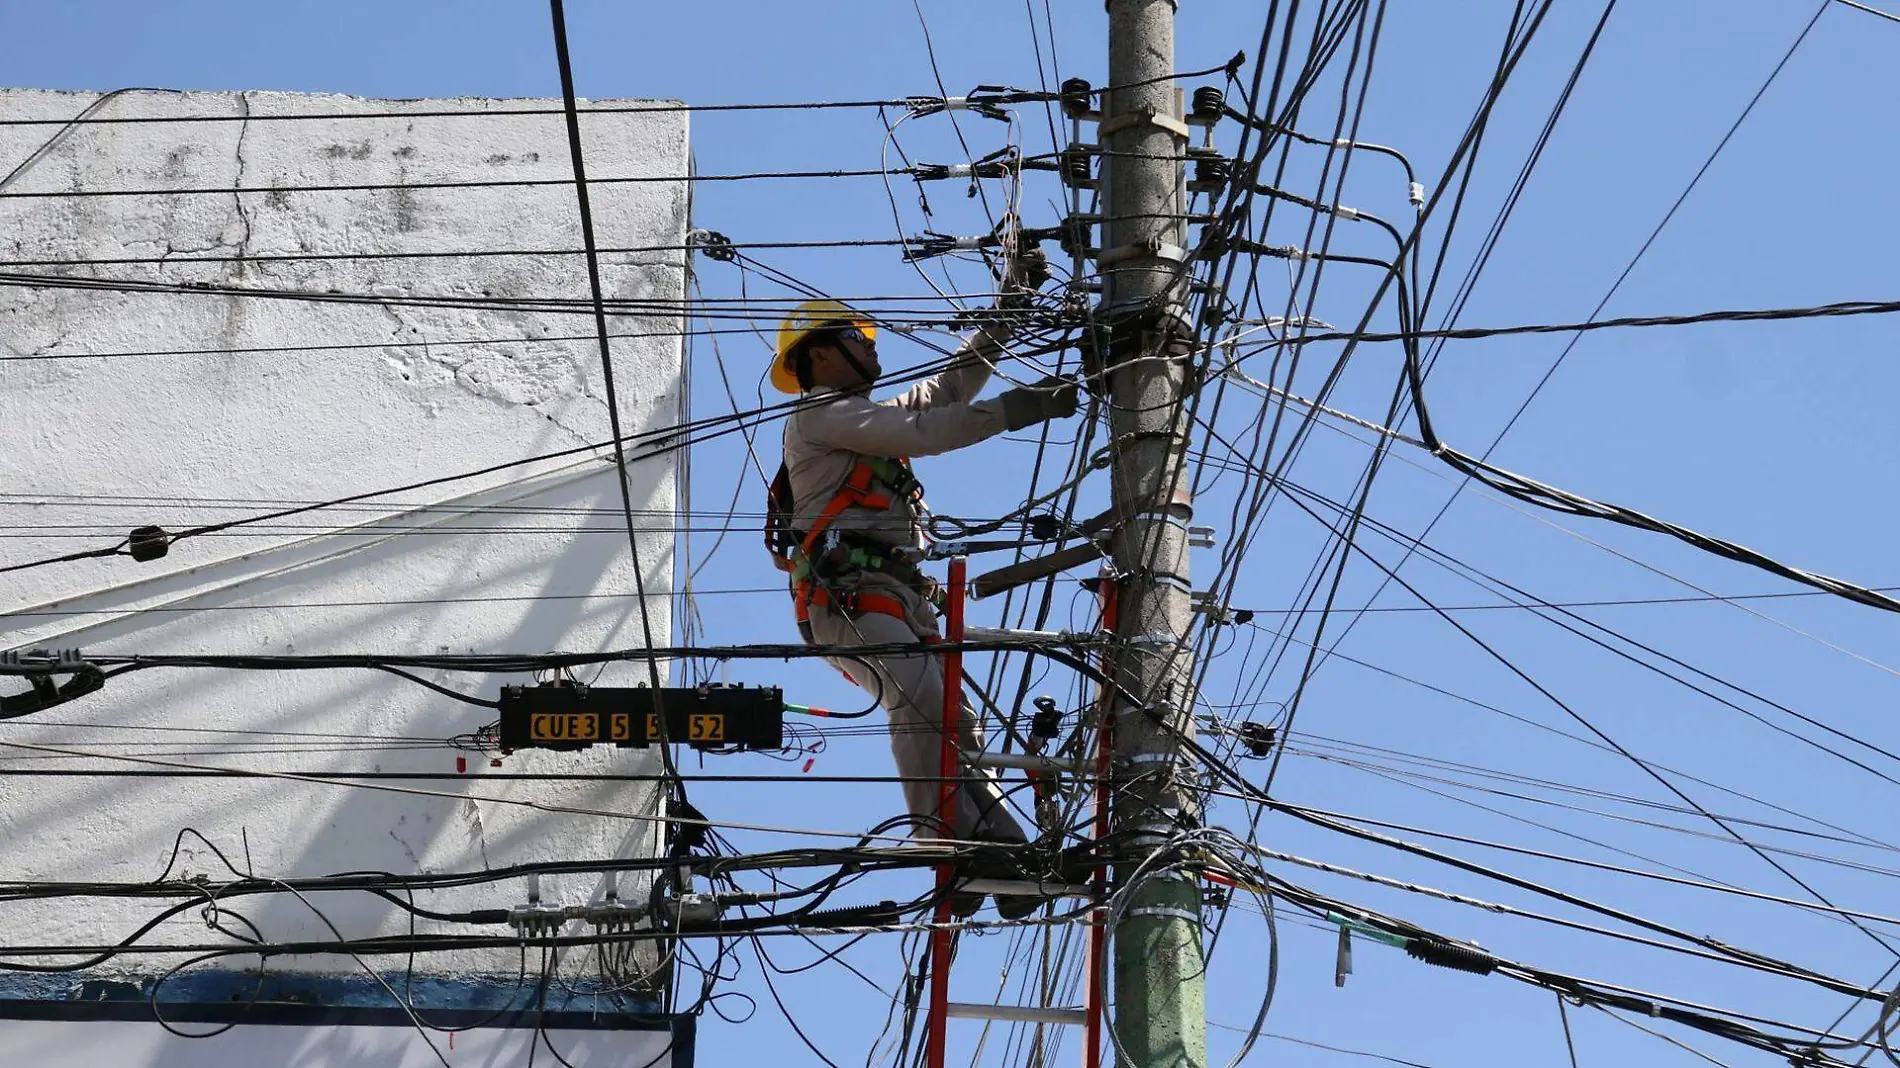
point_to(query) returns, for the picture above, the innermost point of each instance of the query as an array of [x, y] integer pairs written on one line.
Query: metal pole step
[[1021, 888], [1016, 1013], [1023, 762]]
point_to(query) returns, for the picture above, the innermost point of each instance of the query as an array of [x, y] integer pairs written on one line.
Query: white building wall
[[90, 448]]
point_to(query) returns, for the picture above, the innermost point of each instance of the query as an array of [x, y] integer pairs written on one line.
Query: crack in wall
[[477, 833], [244, 216]]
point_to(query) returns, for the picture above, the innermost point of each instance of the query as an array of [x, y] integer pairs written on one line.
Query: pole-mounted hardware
[[40, 667]]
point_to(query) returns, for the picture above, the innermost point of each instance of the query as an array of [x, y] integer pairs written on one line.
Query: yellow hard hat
[[805, 318]]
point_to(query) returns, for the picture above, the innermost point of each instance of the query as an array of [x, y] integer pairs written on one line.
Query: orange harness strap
[[856, 492], [852, 602]]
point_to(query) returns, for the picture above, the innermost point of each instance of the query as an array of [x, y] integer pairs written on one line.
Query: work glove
[[1052, 398]]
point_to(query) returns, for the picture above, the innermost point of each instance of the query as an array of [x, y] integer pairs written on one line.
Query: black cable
[[1002, 97], [658, 441], [494, 183], [607, 376], [1538, 606], [1592, 728]]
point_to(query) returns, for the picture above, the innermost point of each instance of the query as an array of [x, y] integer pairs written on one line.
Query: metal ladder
[[942, 1009]]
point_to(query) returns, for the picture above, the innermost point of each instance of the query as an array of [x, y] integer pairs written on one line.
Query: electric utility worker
[[848, 507]]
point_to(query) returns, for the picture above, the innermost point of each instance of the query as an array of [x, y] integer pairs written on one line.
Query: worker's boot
[[963, 904], [1004, 864], [1053, 867]]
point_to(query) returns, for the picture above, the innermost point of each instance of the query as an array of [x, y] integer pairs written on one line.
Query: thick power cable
[[559, 17]]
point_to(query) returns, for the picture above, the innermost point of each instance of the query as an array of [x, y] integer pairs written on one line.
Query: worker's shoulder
[[822, 407], [814, 411]]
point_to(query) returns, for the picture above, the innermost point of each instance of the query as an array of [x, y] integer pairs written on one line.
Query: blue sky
[[1778, 436]]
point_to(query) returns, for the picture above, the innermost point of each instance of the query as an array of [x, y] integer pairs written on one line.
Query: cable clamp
[[713, 244], [1153, 768], [1206, 603], [931, 244], [921, 106], [1154, 640], [38, 667], [1418, 195]]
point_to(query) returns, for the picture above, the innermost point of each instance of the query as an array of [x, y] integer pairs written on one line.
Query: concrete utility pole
[[1160, 992]]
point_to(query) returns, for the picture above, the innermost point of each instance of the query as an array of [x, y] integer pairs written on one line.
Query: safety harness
[[816, 557]]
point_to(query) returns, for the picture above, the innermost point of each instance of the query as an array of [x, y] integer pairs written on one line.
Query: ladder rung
[[1018, 1013], [1022, 888], [1023, 761]]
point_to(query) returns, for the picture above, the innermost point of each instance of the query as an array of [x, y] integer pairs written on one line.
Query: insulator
[[1212, 174], [1047, 722], [1259, 738], [1209, 104], [148, 543], [1075, 97], [1077, 168], [1074, 239]]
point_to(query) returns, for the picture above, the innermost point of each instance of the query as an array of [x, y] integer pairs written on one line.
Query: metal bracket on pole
[[1163, 912], [1022, 888], [1155, 831], [1143, 250], [1152, 765], [1167, 577], [1128, 120], [1154, 641]]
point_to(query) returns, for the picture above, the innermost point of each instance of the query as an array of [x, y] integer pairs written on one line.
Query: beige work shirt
[[823, 441]]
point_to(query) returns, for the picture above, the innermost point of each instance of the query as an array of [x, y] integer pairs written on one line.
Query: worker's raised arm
[[968, 373], [888, 428], [975, 359], [858, 424]]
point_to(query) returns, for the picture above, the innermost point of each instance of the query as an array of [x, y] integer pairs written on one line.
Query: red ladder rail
[[938, 1018]]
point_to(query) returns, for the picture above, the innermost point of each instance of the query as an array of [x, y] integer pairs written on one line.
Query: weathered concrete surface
[[92, 447]]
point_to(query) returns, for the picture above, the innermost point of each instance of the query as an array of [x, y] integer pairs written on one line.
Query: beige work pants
[[910, 688]]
